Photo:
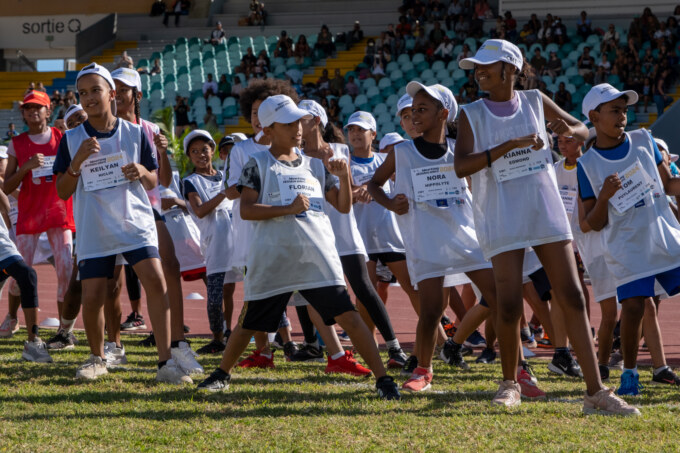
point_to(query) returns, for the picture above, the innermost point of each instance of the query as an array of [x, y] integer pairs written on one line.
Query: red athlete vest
[[40, 208]]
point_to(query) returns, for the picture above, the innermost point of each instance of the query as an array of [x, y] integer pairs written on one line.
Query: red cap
[[37, 97]]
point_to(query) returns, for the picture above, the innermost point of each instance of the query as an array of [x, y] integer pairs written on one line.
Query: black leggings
[[134, 290], [354, 267], [27, 280]]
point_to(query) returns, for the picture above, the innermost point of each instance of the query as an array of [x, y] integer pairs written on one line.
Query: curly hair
[[259, 90]]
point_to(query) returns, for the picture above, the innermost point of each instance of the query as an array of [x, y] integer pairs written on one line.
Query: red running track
[[399, 308]]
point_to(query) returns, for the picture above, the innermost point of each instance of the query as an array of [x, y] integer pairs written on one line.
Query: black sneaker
[[410, 366], [289, 350], [187, 329], [307, 353], [218, 381], [564, 364], [604, 372], [451, 354], [387, 388], [666, 377], [526, 366], [488, 356], [62, 340], [134, 321], [397, 358], [475, 340], [278, 341], [214, 347], [465, 351], [148, 341], [227, 334]]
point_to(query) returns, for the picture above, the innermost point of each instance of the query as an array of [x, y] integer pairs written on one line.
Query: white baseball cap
[[195, 134], [603, 93], [390, 139], [3, 152], [280, 109], [362, 119], [660, 143], [440, 93], [493, 50], [94, 68], [315, 109], [71, 110], [404, 102], [129, 77]]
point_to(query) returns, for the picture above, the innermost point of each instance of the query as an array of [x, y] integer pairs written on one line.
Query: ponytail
[[136, 101]]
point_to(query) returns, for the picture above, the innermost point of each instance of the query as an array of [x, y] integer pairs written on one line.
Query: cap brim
[[413, 87], [292, 115], [469, 63], [361, 124], [674, 157]]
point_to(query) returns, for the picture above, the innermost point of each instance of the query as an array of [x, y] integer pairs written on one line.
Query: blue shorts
[[103, 267], [644, 287]]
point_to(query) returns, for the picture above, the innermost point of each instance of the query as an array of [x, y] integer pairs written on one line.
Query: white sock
[[660, 369], [633, 370], [67, 324], [338, 355], [392, 344]]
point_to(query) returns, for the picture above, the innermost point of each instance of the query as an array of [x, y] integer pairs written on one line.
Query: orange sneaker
[[420, 381], [257, 360], [347, 364], [527, 386]]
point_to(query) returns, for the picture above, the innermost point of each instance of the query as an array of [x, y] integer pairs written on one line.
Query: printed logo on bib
[[436, 182], [635, 185], [568, 198], [45, 169], [519, 162], [293, 185]]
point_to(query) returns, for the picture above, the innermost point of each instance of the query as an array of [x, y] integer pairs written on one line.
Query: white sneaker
[[172, 374], [93, 368], [113, 355], [184, 357], [8, 327], [36, 351], [605, 402], [508, 395]]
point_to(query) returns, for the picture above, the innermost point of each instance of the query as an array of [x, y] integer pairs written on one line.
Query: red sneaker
[[347, 364], [257, 360], [528, 388], [420, 380]]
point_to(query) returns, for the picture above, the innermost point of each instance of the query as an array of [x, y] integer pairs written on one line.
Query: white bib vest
[[217, 241], [439, 233], [377, 225], [117, 219], [523, 211], [291, 252], [645, 239], [186, 237]]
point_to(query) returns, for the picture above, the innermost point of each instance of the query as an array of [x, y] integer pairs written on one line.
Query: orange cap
[[37, 97]]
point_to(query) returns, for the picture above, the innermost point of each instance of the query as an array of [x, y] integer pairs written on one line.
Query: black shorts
[[102, 267], [542, 284], [157, 216], [387, 257], [264, 315]]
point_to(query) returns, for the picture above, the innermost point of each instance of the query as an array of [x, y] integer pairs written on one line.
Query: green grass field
[[296, 407]]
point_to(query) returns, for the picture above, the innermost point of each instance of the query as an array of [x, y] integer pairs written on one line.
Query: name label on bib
[[46, 168], [568, 199], [635, 185], [435, 182], [102, 172], [293, 185], [517, 163]]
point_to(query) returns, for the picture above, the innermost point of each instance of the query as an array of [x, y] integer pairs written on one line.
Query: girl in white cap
[[429, 200], [623, 183], [404, 114], [378, 225], [128, 94], [501, 144], [108, 162], [209, 207], [283, 193], [348, 241], [74, 116]]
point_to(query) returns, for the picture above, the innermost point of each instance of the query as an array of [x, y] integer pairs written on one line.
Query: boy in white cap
[[107, 164], [622, 184], [404, 114], [74, 116], [389, 141], [282, 193], [502, 146]]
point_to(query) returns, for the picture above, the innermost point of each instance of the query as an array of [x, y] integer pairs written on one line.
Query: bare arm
[[202, 209], [596, 210], [232, 193], [252, 210], [168, 203], [340, 198], [164, 168], [398, 204], [66, 182], [671, 185], [15, 174], [562, 123]]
